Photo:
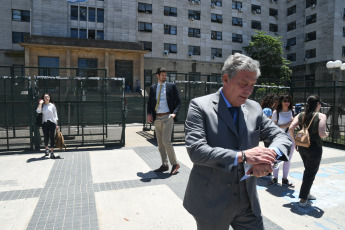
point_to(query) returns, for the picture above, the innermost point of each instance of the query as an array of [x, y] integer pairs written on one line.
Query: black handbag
[[39, 120]]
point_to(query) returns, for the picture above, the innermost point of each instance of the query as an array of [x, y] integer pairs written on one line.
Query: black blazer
[[173, 98]]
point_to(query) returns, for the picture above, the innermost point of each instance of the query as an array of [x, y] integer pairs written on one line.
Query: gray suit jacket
[[212, 143]]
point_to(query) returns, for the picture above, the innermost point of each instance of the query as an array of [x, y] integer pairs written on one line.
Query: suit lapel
[[223, 112]]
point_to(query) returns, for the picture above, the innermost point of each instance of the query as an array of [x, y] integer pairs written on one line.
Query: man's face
[[162, 77], [237, 89]]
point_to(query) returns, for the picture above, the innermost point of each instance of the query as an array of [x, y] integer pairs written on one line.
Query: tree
[[268, 51]]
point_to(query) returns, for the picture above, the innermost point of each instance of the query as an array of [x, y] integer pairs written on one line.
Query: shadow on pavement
[[310, 210], [42, 158], [149, 137], [147, 177]]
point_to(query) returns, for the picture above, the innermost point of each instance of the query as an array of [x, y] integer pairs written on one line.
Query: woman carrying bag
[[49, 122], [311, 156], [283, 117]]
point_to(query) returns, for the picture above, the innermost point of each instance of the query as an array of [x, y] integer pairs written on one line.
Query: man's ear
[[226, 78]]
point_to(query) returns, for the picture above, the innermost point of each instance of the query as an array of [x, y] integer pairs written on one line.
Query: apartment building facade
[[188, 36]]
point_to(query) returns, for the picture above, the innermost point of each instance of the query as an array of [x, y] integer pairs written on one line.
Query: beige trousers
[[163, 128]]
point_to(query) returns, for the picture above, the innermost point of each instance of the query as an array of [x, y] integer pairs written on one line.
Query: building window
[[83, 13], [310, 36], [74, 33], [216, 35], [236, 5], [194, 50], [291, 26], [144, 8], [309, 80], [52, 62], [19, 36], [343, 31], [237, 38], [290, 42], [168, 29], [216, 18], [236, 51], [291, 10], [310, 53], [256, 25], [21, 15], [74, 12], [100, 35], [273, 27], [237, 21], [92, 14], [310, 19], [91, 34], [194, 32], [145, 26], [217, 2], [193, 15], [82, 33], [100, 15], [256, 9], [291, 57], [343, 53], [273, 12], [87, 63], [170, 11], [310, 3], [216, 52], [147, 45], [171, 48]]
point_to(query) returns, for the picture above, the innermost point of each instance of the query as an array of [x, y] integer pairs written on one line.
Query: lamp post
[[333, 66]]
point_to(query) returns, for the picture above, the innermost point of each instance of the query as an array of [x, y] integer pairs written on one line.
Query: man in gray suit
[[223, 131]]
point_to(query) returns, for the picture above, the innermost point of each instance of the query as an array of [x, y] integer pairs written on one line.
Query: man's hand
[[149, 118], [57, 128], [260, 170], [172, 115], [260, 155]]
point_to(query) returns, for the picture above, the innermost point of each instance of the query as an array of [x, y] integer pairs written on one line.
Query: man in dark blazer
[[162, 108], [223, 131]]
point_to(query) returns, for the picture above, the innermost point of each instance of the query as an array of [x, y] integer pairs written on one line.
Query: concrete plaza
[[117, 189]]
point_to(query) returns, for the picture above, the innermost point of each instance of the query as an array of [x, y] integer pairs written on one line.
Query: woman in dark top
[[311, 156]]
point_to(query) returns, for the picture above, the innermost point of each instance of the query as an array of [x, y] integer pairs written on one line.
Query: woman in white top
[[283, 117], [49, 122]]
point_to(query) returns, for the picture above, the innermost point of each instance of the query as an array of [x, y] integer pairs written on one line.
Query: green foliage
[[268, 51]]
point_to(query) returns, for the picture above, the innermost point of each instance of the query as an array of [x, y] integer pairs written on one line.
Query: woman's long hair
[[50, 96], [311, 105], [280, 102]]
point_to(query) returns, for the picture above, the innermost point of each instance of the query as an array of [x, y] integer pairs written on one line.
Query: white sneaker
[[311, 197], [305, 204]]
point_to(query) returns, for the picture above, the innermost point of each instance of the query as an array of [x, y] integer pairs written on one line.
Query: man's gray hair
[[237, 62]]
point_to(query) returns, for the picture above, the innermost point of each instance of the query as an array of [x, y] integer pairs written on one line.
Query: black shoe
[[52, 156], [163, 168], [273, 181], [46, 153], [286, 182]]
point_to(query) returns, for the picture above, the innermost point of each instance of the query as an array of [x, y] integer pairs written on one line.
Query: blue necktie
[[234, 113]]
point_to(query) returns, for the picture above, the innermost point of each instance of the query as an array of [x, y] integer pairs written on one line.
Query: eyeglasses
[[286, 101]]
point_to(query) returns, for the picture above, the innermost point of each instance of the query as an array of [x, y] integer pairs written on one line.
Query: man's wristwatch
[[244, 158]]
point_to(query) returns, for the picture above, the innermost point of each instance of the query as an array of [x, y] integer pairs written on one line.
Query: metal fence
[[91, 110], [332, 94]]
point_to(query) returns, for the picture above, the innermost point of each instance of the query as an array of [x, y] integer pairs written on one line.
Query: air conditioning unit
[[305, 59], [213, 37], [213, 5], [190, 54], [253, 12], [197, 2], [313, 6], [213, 57], [239, 9], [166, 26], [165, 52], [191, 18], [258, 11], [191, 2]]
